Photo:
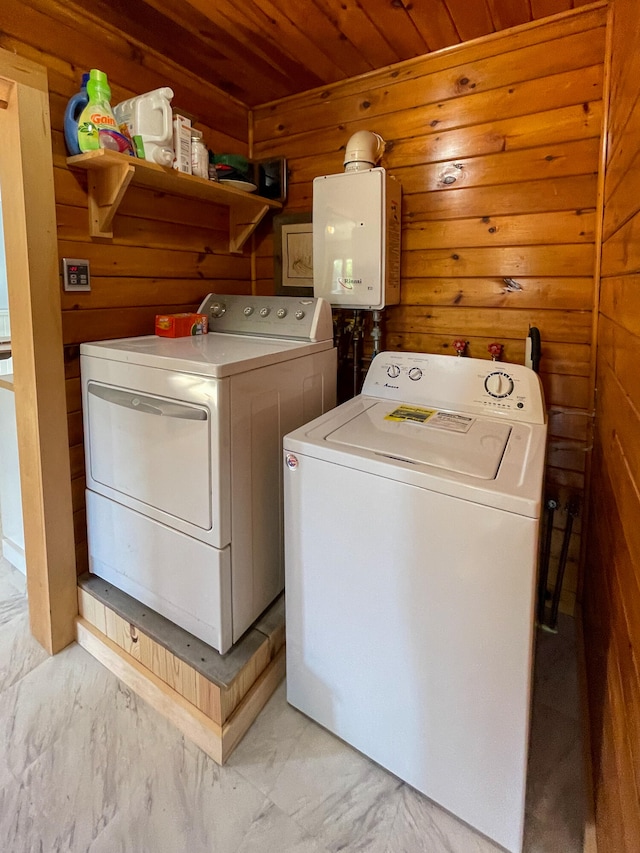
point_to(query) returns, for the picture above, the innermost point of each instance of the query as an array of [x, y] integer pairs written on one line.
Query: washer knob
[[264, 312], [415, 373], [218, 309], [299, 315], [393, 371], [248, 311], [281, 312], [498, 384]]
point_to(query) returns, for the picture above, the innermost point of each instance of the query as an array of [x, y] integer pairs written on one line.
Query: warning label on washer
[[431, 417], [449, 420], [411, 413]]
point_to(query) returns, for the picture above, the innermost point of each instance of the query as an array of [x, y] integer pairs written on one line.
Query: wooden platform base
[[213, 714]]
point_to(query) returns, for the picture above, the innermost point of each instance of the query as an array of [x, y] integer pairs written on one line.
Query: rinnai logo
[[348, 283]]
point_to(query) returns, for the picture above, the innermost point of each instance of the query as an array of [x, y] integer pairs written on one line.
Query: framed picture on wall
[[293, 254], [271, 178]]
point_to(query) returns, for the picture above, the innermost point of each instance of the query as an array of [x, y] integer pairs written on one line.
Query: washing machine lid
[[215, 354], [496, 462], [451, 441]]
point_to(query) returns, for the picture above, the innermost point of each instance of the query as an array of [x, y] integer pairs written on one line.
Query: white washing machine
[[183, 443], [411, 539]]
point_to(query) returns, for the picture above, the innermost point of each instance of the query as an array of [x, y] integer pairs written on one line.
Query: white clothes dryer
[[183, 442], [411, 539]]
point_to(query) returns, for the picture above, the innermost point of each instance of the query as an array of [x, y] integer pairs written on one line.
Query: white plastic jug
[[149, 116]]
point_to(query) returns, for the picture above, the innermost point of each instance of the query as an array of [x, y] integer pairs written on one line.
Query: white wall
[[10, 500], [6, 365], [4, 298]]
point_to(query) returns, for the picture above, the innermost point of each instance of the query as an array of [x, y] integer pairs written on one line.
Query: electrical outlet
[[75, 274]]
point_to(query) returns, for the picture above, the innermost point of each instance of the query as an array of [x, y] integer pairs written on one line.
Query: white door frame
[[28, 205]]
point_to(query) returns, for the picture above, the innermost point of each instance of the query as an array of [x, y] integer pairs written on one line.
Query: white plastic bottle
[[199, 155]]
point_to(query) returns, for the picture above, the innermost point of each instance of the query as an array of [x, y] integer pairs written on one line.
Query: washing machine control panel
[[457, 384]]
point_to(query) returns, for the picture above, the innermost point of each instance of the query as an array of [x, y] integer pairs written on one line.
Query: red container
[[181, 325]]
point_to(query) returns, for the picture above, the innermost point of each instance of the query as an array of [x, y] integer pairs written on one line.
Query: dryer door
[[153, 443]]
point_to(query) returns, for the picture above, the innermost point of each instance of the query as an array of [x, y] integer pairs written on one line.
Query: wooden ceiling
[[262, 50]]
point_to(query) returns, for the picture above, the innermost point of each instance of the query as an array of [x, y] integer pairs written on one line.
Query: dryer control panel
[[459, 384], [294, 317]]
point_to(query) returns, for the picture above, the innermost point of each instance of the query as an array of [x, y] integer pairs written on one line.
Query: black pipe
[[343, 338], [356, 353], [550, 507], [535, 348], [572, 512], [337, 327]]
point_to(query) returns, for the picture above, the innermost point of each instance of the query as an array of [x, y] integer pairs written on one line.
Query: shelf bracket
[[243, 220], [106, 190]]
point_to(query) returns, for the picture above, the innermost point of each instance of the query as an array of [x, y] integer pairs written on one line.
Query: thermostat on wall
[[75, 274]]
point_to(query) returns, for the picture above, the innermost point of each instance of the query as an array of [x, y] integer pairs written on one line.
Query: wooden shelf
[[111, 173]]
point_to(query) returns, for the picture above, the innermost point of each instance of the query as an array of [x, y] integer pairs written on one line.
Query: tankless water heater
[[356, 239]]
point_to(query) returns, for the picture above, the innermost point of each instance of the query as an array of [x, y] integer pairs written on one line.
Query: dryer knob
[[218, 309], [281, 312], [299, 315], [248, 311], [264, 312]]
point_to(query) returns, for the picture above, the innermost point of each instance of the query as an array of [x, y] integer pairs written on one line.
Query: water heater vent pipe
[[363, 151]]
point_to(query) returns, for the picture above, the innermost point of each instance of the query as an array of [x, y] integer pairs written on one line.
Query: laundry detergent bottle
[[97, 126], [71, 114]]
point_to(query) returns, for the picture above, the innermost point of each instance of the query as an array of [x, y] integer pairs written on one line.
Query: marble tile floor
[[85, 765]]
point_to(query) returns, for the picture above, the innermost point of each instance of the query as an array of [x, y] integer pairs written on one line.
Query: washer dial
[[498, 384], [415, 373], [393, 371]]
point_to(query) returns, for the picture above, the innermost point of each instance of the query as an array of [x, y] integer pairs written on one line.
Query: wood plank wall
[[611, 599], [496, 144], [165, 254]]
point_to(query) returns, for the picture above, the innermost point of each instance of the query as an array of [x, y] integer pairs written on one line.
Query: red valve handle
[[496, 350], [459, 346]]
